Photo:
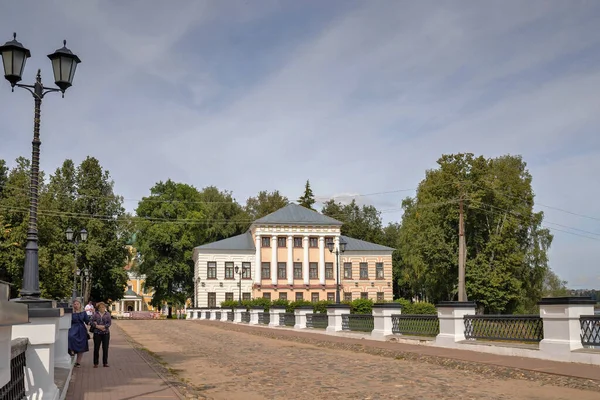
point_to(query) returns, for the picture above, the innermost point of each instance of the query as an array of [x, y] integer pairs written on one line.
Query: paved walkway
[[128, 377]]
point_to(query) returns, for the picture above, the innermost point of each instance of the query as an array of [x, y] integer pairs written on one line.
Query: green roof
[[293, 214], [239, 242], [130, 292]]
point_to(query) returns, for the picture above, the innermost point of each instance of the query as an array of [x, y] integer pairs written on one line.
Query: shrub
[[229, 303], [361, 306], [416, 308], [292, 306], [321, 306]]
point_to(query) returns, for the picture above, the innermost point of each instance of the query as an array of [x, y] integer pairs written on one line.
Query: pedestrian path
[[129, 376]]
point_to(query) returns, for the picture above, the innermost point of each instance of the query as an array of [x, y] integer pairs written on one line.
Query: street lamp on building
[[340, 249], [64, 63], [76, 238], [240, 273]]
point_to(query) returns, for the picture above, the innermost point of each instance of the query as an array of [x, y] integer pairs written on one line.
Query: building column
[[257, 262], [305, 273], [322, 260], [122, 310], [274, 260], [290, 259], [336, 245]]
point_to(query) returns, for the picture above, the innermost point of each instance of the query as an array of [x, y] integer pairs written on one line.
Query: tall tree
[[362, 223], [265, 203], [308, 198]]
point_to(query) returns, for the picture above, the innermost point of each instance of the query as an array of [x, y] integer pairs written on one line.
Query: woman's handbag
[[92, 327]]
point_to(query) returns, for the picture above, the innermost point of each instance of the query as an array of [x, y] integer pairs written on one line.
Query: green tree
[[265, 203], [362, 223], [308, 198]]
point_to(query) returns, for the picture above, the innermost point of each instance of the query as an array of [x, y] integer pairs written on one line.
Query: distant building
[[136, 297], [285, 255]]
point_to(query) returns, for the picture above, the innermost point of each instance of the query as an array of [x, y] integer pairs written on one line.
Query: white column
[[452, 324], [382, 319], [257, 263], [274, 260], [275, 311], [336, 245], [322, 260], [334, 317], [290, 260], [122, 309], [300, 313], [61, 347], [305, 273]]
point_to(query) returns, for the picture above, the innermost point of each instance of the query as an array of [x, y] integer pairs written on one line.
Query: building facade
[[285, 255], [136, 297]]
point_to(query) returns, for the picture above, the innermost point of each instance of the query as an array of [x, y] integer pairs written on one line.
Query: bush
[[292, 306], [321, 306], [416, 308], [361, 306], [229, 303]]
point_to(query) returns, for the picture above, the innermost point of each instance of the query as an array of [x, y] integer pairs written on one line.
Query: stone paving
[[228, 362]]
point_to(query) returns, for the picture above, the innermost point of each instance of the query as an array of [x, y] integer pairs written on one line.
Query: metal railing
[[218, 315], [15, 388], [230, 316], [287, 319], [519, 328], [590, 330], [416, 324], [357, 322], [246, 317], [264, 318], [317, 321], [207, 315]]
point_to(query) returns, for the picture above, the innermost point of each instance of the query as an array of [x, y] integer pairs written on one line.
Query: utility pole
[[462, 252]]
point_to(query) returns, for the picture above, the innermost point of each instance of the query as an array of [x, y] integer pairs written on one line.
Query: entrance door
[[212, 300]]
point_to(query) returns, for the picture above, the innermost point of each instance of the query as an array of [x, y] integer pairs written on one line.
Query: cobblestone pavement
[[224, 362]]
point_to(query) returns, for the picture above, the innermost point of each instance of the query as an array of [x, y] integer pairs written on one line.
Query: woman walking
[[101, 323], [78, 337]]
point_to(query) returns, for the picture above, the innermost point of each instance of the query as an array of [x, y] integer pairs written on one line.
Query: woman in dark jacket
[[101, 321], [78, 337]]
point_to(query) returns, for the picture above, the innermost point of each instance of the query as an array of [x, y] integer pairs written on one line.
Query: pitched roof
[[130, 292], [361, 245], [296, 215], [239, 242]]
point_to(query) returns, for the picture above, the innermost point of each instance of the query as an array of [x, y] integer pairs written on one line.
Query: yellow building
[[136, 296], [286, 255]]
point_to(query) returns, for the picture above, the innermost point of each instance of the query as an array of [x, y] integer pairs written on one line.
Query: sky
[[360, 97]]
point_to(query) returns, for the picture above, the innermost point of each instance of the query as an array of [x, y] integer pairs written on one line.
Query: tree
[[362, 223], [308, 198], [265, 203]]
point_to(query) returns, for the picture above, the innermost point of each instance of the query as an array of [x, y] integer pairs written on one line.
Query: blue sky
[[357, 96]]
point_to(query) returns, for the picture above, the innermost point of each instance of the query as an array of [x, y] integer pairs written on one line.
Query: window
[[267, 296], [114, 307], [265, 241], [130, 287], [380, 297], [348, 296], [281, 273], [229, 296], [330, 297], [314, 297], [313, 270], [299, 296], [313, 242], [364, 271], [328, 270], [347, 270], [297, 242], [211, 270], [328, 240], [228, 270], [297, 270], [265, 270], [246, 270], [281, 241], [364, 295], [379, 270], [212, 299], [246, 296], [282, 296]]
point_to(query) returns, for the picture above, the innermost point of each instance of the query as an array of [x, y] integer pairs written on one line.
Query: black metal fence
[[590, 330], [246, 317], [357, 322], [287, 319], [264, 318], [519, 328], [15, 388], [418, 325], [317, 321], [218, 315], [207, 315], [230, 316]]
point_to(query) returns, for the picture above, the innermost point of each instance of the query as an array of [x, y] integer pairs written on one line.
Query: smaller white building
[[219, 269]]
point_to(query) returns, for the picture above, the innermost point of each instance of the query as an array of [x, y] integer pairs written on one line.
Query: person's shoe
[[105, 365], [77, 365], [95, 365]]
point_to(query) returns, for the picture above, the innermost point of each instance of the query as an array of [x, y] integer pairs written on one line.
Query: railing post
[[275, 312], [382, 319], [334, 317], [11, 314], [237, 314], [61, 349], [213, 314], [452, 324], [254, 314], [562, 330], [300, 313]]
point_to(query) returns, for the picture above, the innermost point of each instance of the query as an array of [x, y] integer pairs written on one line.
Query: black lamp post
[[76, 239], [240, 272], [64, 63], [340, 249]]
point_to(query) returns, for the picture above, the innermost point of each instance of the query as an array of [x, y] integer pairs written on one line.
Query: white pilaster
[[300, 313], [382, 319], [305, 273], [290, 260], [334, 317], [336, 245], [275, 312], [61, 347], [322, 260], [452, 324], [257, 263], [254, 314], [274, 260], [237, 314]]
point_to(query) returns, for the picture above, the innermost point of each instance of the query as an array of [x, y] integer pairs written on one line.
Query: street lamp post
[[76, 238], [240, 273], [340, 249], [64, 63]]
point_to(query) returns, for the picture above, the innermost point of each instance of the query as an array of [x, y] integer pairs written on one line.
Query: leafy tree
[[362, 223], [265, 203], [308, 198]]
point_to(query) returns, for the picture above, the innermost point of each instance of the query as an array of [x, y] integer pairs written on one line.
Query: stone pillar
[[254, 314], [62, 358], [213, 314], [11, 314], [334, 317], [195, 313], [562, 329], [202, 313], [382, 319], [290, 260], [322, 260], [275, 312], [257, 261], [300, 313], [452, 324], [224, 312], [237, 314], [305, 265], [274, 260]]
